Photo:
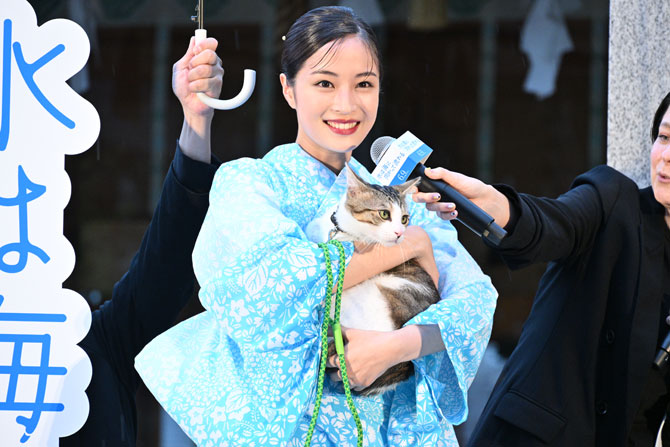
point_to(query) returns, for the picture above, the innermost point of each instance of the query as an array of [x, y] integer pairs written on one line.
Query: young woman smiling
[[245, 370]]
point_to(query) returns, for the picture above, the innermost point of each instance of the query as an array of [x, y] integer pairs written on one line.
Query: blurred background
[[510, 91]]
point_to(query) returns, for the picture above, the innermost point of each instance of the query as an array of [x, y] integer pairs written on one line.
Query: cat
[[378, 215]]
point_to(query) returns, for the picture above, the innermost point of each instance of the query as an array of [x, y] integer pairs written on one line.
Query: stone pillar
[[639, 77]]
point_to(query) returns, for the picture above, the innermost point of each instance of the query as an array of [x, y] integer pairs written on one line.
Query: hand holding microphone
[[484, 196], [400, 160]]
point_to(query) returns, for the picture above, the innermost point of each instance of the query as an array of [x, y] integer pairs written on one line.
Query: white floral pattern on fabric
[[244, 371]]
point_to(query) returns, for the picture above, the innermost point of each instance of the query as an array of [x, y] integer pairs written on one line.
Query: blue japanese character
[[27, 73], [27, 192], [16, 369]]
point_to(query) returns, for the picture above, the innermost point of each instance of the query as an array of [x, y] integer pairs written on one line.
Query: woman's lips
[[343, 127]]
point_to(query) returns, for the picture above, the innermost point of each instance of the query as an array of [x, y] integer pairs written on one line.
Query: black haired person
[[160, 280], [583, 371], [244, 372]]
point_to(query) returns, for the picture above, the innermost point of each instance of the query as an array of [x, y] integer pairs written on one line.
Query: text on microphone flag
[[400, 159]]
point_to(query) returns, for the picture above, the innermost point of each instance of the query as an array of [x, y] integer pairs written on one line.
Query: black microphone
[[469, 214]]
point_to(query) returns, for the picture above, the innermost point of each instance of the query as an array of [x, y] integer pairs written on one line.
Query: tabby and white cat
[[378, 215]]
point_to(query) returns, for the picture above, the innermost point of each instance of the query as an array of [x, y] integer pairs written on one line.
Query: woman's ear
[[287, 90]]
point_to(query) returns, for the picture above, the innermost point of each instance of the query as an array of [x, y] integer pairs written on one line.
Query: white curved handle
[[244, 94], [241, 98]]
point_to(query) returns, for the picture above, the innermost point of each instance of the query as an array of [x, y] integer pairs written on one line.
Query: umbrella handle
[[244, 94]]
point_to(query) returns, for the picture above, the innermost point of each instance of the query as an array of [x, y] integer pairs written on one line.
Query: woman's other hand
[[484, 196], [368, 355]]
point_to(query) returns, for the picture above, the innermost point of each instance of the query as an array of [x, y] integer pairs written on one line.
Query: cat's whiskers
[[372, 246], [404, 255]]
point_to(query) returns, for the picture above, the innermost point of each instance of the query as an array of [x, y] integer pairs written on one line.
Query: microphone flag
[[399, 159]]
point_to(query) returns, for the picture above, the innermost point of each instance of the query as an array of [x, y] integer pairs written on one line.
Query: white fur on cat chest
[[365, 299]]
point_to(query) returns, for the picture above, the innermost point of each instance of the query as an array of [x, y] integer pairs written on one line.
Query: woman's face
[[660, 165], [335, 96]]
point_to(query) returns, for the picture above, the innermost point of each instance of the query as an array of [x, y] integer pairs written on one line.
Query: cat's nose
[[398, 234]]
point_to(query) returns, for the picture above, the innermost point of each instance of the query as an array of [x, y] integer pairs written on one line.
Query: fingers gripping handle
[[244, 94]]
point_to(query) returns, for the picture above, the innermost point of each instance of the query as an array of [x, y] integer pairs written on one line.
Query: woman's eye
[[663, 138], [365, 84], [405, 219], [384, 214], [324, 84]]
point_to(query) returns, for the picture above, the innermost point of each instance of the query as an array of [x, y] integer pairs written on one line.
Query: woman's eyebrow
[[365, 74], [324, 72]]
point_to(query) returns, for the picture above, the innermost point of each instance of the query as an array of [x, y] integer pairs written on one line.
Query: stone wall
[[639, 77]]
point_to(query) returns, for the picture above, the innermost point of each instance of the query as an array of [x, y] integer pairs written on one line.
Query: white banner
[[43, 373]]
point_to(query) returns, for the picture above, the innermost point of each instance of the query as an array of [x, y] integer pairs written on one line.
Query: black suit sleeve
[[145, 302], [160, 280], [546, 229]]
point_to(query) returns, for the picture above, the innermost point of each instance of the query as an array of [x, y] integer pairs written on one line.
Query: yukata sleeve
[[464, 315], [259, 274], [263, 280]]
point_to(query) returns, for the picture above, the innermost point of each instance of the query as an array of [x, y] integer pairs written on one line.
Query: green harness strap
[[339, 345]]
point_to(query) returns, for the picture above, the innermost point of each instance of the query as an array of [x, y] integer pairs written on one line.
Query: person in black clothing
[[160, 280], [583, 371]]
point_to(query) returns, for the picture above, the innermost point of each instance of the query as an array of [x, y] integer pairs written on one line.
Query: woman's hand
[[484, 196], [199, 70], [368, 355]]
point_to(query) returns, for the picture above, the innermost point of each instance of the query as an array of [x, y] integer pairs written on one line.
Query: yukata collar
[[329, 186], [308, 160]]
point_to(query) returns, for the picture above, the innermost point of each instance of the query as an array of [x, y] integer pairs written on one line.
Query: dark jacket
[[576, 375], [145, 302]]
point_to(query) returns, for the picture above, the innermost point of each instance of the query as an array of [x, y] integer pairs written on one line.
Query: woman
[[582, 373], [244, 371]]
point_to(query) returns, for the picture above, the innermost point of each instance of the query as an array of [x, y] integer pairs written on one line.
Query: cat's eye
[[405, 219], [384, 214]]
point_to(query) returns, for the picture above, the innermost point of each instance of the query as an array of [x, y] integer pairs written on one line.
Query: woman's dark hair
[[658, 117], [318, 27]]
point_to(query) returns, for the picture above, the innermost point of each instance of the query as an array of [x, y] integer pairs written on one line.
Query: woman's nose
[[665, 155], [345, 101]]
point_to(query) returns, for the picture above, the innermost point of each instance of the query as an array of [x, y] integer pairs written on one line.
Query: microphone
[[400, 159]]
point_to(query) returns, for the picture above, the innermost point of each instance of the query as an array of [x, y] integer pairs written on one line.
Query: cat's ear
[[404, 188], [353, 180]]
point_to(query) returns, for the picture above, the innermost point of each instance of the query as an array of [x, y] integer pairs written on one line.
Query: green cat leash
[[339, 344]]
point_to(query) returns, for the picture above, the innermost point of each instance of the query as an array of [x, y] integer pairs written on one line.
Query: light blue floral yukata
[[243, 373]]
